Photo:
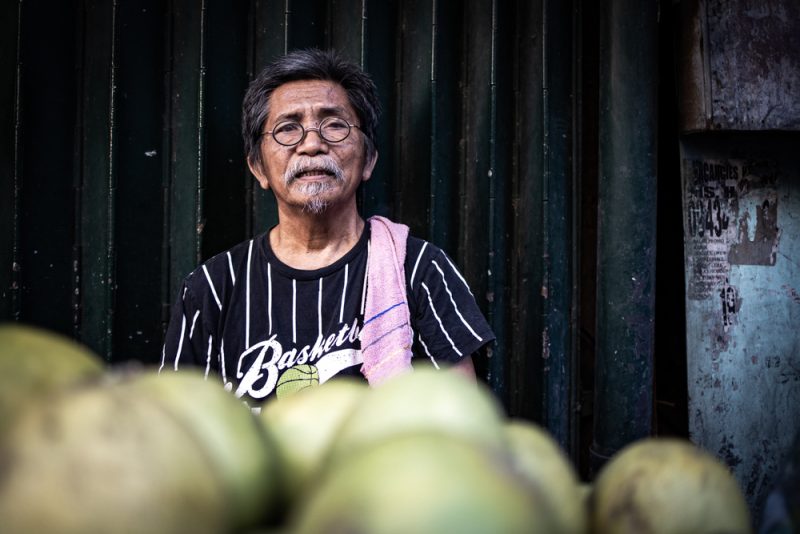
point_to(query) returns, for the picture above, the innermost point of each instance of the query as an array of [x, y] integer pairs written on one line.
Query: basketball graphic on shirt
[[296, 378]]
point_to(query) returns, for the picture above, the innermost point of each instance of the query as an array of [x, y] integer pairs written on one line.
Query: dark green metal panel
[[347, 26], [541, 358], [558, 312], [626, 227], [501, 113], [46, 137], [224, 166], [98, 178], [187, 78], [445, 119], [268, 36], [475, 161], [139, 156], [413, 122], [484, 175], [306, 24], [379, 61], [9, 158], [526, 325]]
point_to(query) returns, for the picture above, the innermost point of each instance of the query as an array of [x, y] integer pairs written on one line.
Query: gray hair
[[309, 64]]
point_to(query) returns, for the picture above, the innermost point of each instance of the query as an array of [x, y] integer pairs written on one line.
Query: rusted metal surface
[[626, 246], [740, 65], [10, 101], [742, 239]]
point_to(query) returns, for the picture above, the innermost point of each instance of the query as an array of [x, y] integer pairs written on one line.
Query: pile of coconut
[[85, 448]]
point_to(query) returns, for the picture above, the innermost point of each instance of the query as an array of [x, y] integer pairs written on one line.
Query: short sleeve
[[187, 342], [447, 322]]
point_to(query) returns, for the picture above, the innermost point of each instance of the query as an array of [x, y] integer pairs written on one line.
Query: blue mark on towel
[[390, 308]]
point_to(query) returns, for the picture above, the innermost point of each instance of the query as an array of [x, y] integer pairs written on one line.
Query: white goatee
[[314, 190]]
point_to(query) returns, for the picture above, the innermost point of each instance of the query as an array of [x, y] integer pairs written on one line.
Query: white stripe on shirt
[[230, 267], [424, 346], [366, 277], [208, 359], [294, 311], [269, 295], [344, 292], [222, 360], [247, 299], [211, 285], [194, 320], [180, 341], [319, 308], [416, 264], [452, 300], [455, 270], [441, 326]]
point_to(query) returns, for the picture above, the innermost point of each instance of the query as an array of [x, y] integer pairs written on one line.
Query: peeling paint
[[741, 199], [727, 451], [763, 247], [792, 292], [754, 62]]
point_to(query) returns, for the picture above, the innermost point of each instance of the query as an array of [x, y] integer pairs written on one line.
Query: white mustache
[[306, 163]]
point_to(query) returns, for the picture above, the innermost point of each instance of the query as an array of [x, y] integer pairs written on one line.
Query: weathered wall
[[741, 64], [742, 235]]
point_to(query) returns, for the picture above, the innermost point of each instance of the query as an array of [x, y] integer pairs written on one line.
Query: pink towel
[[386, 336]]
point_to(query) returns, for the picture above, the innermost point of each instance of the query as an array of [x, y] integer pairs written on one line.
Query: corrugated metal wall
[[119, 131]]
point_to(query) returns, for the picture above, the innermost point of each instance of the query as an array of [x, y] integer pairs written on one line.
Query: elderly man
[[323, 293]]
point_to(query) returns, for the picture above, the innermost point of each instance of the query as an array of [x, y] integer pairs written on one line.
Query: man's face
[[313, 174]]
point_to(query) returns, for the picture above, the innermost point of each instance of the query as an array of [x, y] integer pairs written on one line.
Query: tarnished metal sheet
[[742, 241], [740, 60]]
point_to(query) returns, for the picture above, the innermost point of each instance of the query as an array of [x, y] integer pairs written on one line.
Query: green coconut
[[426, 483], [239, 448], [36, 362], [304, 425], [98, 460], [667, 486], [426, 399], [539, 459]]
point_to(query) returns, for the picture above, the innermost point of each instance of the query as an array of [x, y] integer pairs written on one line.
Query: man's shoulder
[[416, 246], [420, 253], [228, 262]]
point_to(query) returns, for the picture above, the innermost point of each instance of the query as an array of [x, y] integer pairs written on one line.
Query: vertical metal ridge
[[249, 183], [557, 256], [576, 221], [549, 360], [287, 13], [199, 179], [111, 190], [626, 224], [78, 293], [497, 364], [434, 162], [95, 177], [15, 301], [363, 38], [396, 187], [167, 257]]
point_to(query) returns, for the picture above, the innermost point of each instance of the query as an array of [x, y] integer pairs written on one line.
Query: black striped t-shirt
[[248, 318]]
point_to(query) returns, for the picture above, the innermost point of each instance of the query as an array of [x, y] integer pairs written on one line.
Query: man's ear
[[369, 166], [258, 171]]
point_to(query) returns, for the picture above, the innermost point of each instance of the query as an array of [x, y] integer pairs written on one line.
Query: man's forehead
[[305, 97]]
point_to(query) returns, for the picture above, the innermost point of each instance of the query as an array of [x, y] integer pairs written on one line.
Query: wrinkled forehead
[[306, 100]]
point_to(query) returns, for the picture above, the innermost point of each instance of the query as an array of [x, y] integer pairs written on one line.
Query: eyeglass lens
[[332, 129]]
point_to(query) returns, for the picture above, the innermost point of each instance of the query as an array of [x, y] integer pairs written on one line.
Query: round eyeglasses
[[331, 129]]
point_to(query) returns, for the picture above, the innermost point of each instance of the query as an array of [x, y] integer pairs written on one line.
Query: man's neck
[[312, 241]]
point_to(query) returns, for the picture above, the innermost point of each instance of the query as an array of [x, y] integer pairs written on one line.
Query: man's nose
[[312, 143]]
